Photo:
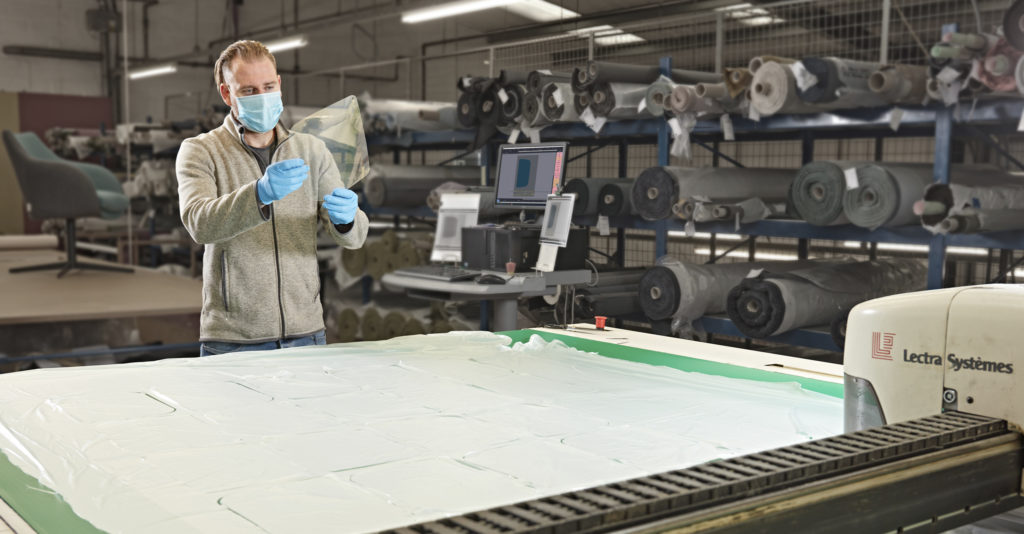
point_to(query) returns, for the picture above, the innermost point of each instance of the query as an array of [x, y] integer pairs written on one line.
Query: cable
[[911, 30], [597, 275]]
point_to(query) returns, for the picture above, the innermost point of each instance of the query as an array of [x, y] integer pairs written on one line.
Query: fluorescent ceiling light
[[452, 9], [707, 235], [149, 72], [541, 11], [281, 45], [605, 35], [771, 256], [898, 247], [751, 16]]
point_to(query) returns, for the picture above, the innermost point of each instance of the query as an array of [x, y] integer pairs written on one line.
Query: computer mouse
[[490, 279]]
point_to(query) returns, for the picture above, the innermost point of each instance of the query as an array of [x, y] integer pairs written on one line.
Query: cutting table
[[372, 436]]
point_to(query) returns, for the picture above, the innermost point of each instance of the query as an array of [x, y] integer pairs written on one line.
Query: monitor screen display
[[528, 173]]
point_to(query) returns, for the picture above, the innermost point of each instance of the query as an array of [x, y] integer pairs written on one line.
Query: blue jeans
[[211, 348]]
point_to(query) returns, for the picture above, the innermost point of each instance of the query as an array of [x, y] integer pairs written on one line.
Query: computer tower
[[490, 247]]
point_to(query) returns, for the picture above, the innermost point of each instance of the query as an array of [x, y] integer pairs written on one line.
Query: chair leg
[[72, 261]]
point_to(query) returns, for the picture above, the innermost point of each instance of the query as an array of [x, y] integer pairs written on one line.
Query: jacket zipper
[[273, 224]]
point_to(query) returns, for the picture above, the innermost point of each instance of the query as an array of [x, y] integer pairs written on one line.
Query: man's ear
[[278, 82], [225, 94]]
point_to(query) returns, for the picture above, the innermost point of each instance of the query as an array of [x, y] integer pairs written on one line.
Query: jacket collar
[[238, 130]]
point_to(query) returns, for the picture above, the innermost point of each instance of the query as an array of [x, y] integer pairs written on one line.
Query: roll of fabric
[[885, 194], [580, 102], [612, 293], [372, 327], [978, 189], [394, 323], [837, 328], [512, 77], [470, 83], [557, 103], [587, 191], [512, 107], [773, 91], [533, 113], [408, 185], [658, 189], [614, 198], [971, 221], [618, 100], [687, 292], [838, 82], [816, 194], [686, 100], [386, 115], [900, 84], [347, 328], [434, 197], [772, 303], [605, 71], [28, 242], [537, 79], [740, 211], [466, 111], [1013, 25], [757, 61], [737, 80], [413, 327], [720, 94], [658, 98]]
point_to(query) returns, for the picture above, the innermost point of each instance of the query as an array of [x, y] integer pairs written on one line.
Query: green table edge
[[42, 508], [675, 361]]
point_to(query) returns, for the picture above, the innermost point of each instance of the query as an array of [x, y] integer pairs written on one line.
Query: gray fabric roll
[[618, 100], [408, 185], [772, 303], [611, 294], [512, 107], [385, 116], [886, 193], [580, 102], [686, 292], [974, 221], [658, 189], [550, 96], [817, 192], [604, 71], [773, 91], [537, 79], [587, 191], [900, 84], [977, 188], [614, 198], [533, 114], [686, 100], [658, 97], [742, 211], [840, 82]]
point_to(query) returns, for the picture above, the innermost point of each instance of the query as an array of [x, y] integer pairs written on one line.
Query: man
[[252, 191]]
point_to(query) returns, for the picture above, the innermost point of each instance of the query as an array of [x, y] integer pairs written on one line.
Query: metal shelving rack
[[992, 116]]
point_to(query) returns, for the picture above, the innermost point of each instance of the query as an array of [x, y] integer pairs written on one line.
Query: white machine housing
[[918, 354]]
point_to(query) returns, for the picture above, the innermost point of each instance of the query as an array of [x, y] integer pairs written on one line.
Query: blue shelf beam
[[817, 339]]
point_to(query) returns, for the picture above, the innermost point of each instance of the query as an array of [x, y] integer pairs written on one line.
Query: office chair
[[56, 188]]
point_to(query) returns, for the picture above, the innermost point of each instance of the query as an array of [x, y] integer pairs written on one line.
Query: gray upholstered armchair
[[56, 188]]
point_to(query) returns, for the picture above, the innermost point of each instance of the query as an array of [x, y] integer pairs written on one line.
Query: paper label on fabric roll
[[603, 227], [681, 146], [728, 133], [533, 134], [804, 79], [642, 105], [947, 75], [690, 229], [545, 72], [852, 182], [1020, 125], [557, 95], [895, 118], [466, 81], [502, 95], [513, 136], [594, 123], [677, 128], [754, 273], [753, 114]]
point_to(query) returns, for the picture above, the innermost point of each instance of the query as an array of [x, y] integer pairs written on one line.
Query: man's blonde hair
[[244, 50]]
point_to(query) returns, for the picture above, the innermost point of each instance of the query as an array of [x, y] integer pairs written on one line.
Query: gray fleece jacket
[[260, 276]]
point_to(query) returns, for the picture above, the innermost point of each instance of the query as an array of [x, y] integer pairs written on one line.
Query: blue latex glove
[[281, 179], [341, 205]]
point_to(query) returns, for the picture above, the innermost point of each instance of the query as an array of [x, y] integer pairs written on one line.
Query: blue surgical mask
[[259, 112]]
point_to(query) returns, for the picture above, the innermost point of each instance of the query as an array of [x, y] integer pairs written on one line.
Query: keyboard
[[442, 273]]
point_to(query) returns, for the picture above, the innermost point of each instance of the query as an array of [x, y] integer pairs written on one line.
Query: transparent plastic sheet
[[369, 436], [340, 127]]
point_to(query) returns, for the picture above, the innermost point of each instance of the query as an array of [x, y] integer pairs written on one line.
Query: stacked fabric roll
[[982, 200], [396, 116], [488, 104], [589, 193], [684, 292], [611, 293], [389, 252], [659, 189], [970, 64], [407, 186], [772, 303]]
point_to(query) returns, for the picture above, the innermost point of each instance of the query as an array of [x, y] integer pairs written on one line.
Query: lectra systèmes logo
[[882, 347]]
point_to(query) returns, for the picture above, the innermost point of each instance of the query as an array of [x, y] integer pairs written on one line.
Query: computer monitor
[[528, 173]]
